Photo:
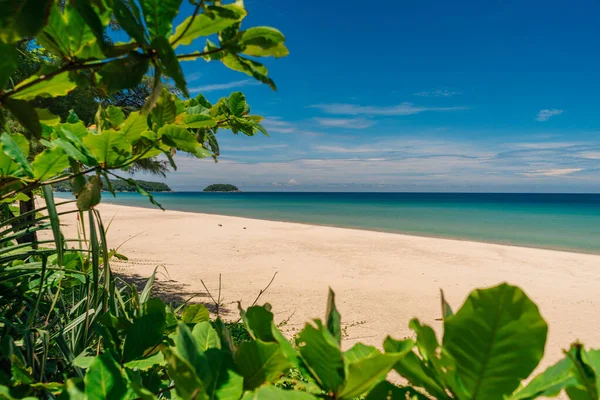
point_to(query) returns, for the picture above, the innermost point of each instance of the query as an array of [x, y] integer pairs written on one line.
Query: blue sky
[[415, 96]]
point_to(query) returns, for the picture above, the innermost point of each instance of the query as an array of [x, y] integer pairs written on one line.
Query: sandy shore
[[381, 280]]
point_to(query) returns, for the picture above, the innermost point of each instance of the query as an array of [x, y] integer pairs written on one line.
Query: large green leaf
[[115, 115], [159, 15], [145, 333], [104, 379], [196, 121], [249, 67], [16, 147], [22, 18], [187, 384], [49, 163], [133, 126], [275, 393], [414, 369], [169, 62], [497, 339], [188, 350], [68, 35], [26, 115], [109, 148], [124, 73], [58, 85], [225, 383], [322, 356], [585, 367], [260, 362], [366, 367], [263, 41], [165, 110], [549, 383], [214, 20], [182, 139], [194, 313], [206, 336]]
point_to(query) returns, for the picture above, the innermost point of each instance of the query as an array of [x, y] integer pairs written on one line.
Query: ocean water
[[558, 221]]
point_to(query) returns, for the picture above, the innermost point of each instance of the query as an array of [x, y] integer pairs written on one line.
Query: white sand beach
[[381, 280]]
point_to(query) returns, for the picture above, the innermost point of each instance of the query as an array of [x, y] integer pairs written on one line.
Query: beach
[[381, 280]]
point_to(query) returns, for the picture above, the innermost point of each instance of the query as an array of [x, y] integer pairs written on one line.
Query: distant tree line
[[221, 187], [119, 186]]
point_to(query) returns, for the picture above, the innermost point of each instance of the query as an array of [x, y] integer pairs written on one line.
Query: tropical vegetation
[[70, 328], [120, 186], [221, 187]]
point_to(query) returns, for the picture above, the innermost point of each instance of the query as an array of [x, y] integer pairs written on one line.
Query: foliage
[[119, 186], [221, 187]]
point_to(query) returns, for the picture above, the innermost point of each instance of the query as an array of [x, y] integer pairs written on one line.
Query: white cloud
[[552, 172], [544, 115], [592, 155], [194, 76], [348, 123], [405, 108], [437, 93], [293, 182], [224, 86], [278, 125], [255, 148]]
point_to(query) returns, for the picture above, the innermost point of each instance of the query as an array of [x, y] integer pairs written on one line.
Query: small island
[[221, 187]]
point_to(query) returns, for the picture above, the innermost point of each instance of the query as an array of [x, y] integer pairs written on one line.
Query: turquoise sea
[[558, 221]]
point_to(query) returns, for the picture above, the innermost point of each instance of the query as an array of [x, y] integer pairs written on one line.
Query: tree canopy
[[221, 187]]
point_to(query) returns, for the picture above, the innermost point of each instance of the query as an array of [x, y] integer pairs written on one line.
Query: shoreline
[[393, 232]]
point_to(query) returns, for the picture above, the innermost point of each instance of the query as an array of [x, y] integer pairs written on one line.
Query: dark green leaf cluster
[[221, 187]]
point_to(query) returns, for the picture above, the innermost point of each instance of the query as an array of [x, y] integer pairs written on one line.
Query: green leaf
[[116, 116], [414, 369], [321, 354], [549, 383], [133, 126], [46, 117], [26, 115], [8, 62], [109, 148], [89, 195], [332, 316], [237, 104], [188, 350], [497, 339], [165, 110], [263, 41], [249, 67], [389, 391], [72, 144], [147, 362], [205, 335], [196, 120], [195, 313], [104, 379], [49, 163], [208, 23], [187, 384], [182, 139], [128, 20], [145, 333], [260, 362], [58, 85], [16, 147], [366, 367], [275, 393], [446, 309], [224, 382], [259, 323], [159, 15], [23, 18], [585, 368], [169, 62], [124, 73]]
